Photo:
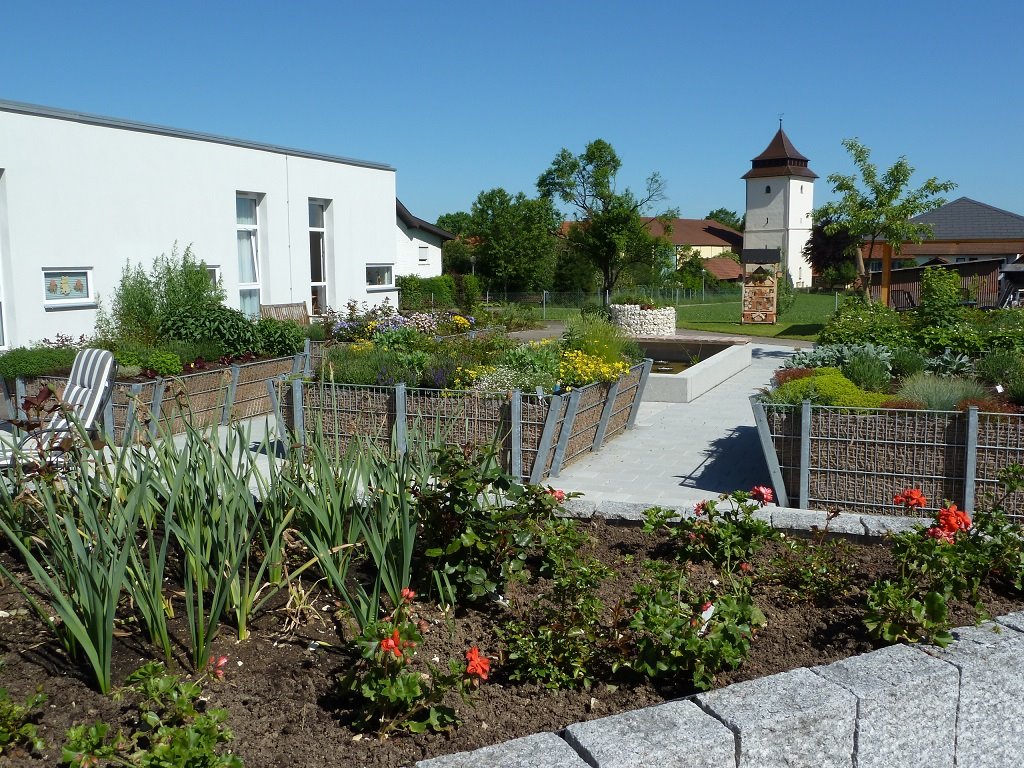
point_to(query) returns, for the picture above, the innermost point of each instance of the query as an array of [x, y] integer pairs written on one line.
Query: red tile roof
[[723, 269], [698, 232]]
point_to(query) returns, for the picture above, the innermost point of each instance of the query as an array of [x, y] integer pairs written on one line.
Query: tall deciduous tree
[[514, 242], [882, 209], [727, 217], [607, 227], [832, 255]]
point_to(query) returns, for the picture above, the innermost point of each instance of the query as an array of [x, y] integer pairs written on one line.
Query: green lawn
[[804, 320]]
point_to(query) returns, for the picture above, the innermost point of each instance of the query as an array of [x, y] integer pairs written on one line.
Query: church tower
[[780, 197]]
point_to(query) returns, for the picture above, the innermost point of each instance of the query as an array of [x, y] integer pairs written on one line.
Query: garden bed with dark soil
[[279, 689]]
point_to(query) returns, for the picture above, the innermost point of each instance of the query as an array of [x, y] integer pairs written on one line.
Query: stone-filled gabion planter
[[636, 321]]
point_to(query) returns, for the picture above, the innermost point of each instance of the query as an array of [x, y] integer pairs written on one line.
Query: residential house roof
[[967, 219], [697, 232], [131, 125], [780, 158], [723, 268], [414, 222]]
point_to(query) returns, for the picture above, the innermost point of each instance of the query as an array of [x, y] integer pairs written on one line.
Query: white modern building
[[82, 195], [780, 198]]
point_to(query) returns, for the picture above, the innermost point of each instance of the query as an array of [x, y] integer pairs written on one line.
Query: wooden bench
[[296, 311]]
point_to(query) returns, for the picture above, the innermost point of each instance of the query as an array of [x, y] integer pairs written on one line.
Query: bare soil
[[279, 689]]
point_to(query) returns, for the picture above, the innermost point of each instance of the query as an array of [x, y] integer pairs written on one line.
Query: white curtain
[[247, 257]]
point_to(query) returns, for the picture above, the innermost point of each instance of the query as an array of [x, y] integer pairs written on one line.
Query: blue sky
[[465, 96]]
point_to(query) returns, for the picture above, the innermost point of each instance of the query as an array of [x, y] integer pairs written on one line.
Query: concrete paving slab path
[[681, 453]]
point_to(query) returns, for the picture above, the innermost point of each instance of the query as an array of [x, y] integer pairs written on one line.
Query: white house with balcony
[[81, 195]]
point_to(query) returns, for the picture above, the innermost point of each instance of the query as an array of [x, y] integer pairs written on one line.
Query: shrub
[[162, 363], [537, 362], [231, 328], [941, 296], [906, 361], [961, 337], [940, 393], [999, 366], [279, 338], [425, 292], [190, 351], [867, 371], [782, 375], [467, 291], [141, 303], [827, 387], [858, 321], [950, 363], [38, 361]]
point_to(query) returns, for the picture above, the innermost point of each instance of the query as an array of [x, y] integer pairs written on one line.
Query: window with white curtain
[[248, 231], [317, 256]]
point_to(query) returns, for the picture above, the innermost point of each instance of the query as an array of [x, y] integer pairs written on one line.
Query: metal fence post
[[635, 407], [129, 418], [516, 414], [563, 437], [606, 414], [300, 416], [805, 454], [544, 447], [768, 449], [304, 360], [108, 414], [158, 399], [229, 400], [971, 464], [6, 396], [19, 398], [275, 402], [401, 417]]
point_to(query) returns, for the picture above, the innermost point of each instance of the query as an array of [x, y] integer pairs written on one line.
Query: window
[[424, 254], [317, 257], [213, 272], [68, 287], [379, 276], [247, 227]]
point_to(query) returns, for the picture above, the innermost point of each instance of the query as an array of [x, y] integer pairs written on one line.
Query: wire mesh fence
[[859, 459]]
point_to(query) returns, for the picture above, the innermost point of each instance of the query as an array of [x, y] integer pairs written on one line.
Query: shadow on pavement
[[734, 462]]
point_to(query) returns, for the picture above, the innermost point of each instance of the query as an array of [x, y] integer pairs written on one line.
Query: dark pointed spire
[[780, 158]]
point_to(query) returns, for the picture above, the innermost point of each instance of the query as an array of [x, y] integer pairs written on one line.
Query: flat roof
[[131, 125]]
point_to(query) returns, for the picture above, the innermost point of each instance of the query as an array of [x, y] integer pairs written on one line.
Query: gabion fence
[[852, 459], [535, 434], [137, 409]]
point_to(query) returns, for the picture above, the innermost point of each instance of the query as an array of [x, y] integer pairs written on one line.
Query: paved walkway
[[680, 453]]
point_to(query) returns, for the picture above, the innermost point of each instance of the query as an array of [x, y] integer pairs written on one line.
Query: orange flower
[[952, 519], [408, 595], [910, 498], [392, 644], [477, 665]]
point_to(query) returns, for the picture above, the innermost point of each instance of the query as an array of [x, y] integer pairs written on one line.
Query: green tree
[[690, 271], [515, 246], [832, 255], [727, 217], [458, 222], [883, 208], [607, 227]]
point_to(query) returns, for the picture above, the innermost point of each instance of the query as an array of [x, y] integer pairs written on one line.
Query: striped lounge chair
[[89, 386]]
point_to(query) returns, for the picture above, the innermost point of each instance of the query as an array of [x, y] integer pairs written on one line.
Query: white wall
[[73, 194], [781, 218], [410, 241]]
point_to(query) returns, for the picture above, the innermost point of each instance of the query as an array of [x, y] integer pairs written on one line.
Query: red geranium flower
[[392, 644], [762, 493], [910, 498], [408, 595], [558, 495], [700, 508], [477, 665]]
